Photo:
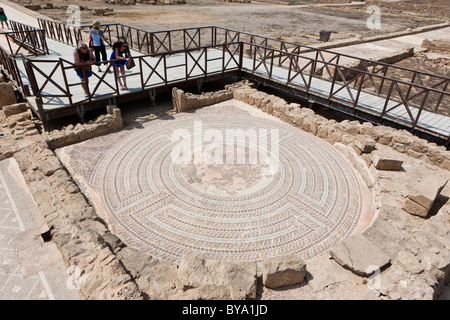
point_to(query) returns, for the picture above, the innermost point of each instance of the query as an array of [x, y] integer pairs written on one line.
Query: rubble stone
[[283, 271], [423, 195], [359, 255]]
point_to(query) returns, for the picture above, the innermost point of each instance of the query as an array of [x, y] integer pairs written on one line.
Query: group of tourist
[[86, 55]]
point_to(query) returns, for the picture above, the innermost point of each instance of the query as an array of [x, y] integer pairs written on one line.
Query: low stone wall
[[440, 45], [153, 2], [413, 260], [187, 101], [73, 134], [415, 250], [7, 95], [84, 241], [346, 131]]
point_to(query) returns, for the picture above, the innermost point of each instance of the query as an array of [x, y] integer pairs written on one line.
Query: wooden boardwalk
[[55, 89], [174, 70], [367, 102]]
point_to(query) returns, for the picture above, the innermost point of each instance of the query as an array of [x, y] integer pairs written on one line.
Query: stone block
[[49, 166], [34, 7], [351, 127], [283, 271], [386, 163], [409, 262], [7, 95], [386, 234], [365, 143], [359, 255], [422, 195], [238, 277], [15, 109], [442, 45], [403, 137], [369, 129], [419, 145]]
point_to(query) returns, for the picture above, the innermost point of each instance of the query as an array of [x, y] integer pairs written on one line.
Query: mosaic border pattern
[[314, 200]]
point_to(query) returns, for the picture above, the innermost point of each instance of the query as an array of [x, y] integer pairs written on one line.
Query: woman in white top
[[98, 42]]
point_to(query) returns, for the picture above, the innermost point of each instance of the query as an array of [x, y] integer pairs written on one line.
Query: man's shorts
[[81, 75]]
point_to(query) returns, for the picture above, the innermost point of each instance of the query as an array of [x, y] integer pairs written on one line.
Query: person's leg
[[103, 52], [122, 71], [116, 74], [85, 84], [97, 57]]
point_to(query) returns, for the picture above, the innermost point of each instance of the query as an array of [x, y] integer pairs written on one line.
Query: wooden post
[[199, 86], [152, 98]]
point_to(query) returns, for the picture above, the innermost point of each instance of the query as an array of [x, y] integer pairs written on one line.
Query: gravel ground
[[290, 23]]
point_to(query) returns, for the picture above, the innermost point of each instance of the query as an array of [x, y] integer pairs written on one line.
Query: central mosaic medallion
[[215, 201], [227, 180]]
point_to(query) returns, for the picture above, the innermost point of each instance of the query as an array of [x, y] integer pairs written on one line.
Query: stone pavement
[[381, 48], [374, 50], [30, 269]]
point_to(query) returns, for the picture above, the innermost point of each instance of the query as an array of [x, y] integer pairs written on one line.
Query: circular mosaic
[[186, 184]]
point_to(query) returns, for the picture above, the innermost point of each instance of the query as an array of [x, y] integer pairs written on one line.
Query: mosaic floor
[[166, 202]]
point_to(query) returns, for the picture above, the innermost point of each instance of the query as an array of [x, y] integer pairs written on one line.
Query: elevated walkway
[[187, 57]]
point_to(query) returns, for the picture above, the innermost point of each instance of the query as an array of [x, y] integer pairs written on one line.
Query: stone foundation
[[73, 134], [7, 95], [441, 45], [415, 259], [187, 101], [346, 131], [417, 249]]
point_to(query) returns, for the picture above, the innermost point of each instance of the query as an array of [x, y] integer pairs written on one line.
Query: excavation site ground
[[249, 177]]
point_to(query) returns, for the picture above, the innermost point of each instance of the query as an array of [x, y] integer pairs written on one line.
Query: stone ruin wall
[[111, 270], [346, 132]]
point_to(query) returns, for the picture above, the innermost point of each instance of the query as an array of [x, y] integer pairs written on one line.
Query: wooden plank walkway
[[174, 69], [367, 102], [177, 66], [60, 50]]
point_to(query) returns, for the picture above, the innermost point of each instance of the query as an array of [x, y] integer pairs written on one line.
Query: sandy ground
[[298, 24]]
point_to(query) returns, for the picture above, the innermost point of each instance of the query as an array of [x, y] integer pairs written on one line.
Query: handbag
[[131, 64], [91, 42]]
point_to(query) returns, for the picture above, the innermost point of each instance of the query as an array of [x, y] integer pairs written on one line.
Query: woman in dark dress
[[119, 65], [3, 18]]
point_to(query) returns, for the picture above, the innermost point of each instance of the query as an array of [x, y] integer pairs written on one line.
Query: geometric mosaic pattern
[[221, 211]]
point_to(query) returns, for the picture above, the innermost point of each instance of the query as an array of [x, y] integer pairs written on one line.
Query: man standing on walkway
[[84, 59]]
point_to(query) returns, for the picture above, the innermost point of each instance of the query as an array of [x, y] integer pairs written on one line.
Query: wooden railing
[[399, 88], [396, 94], [8, 63], [159, 72], [26, 37], [61, 32], [158, 42]]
